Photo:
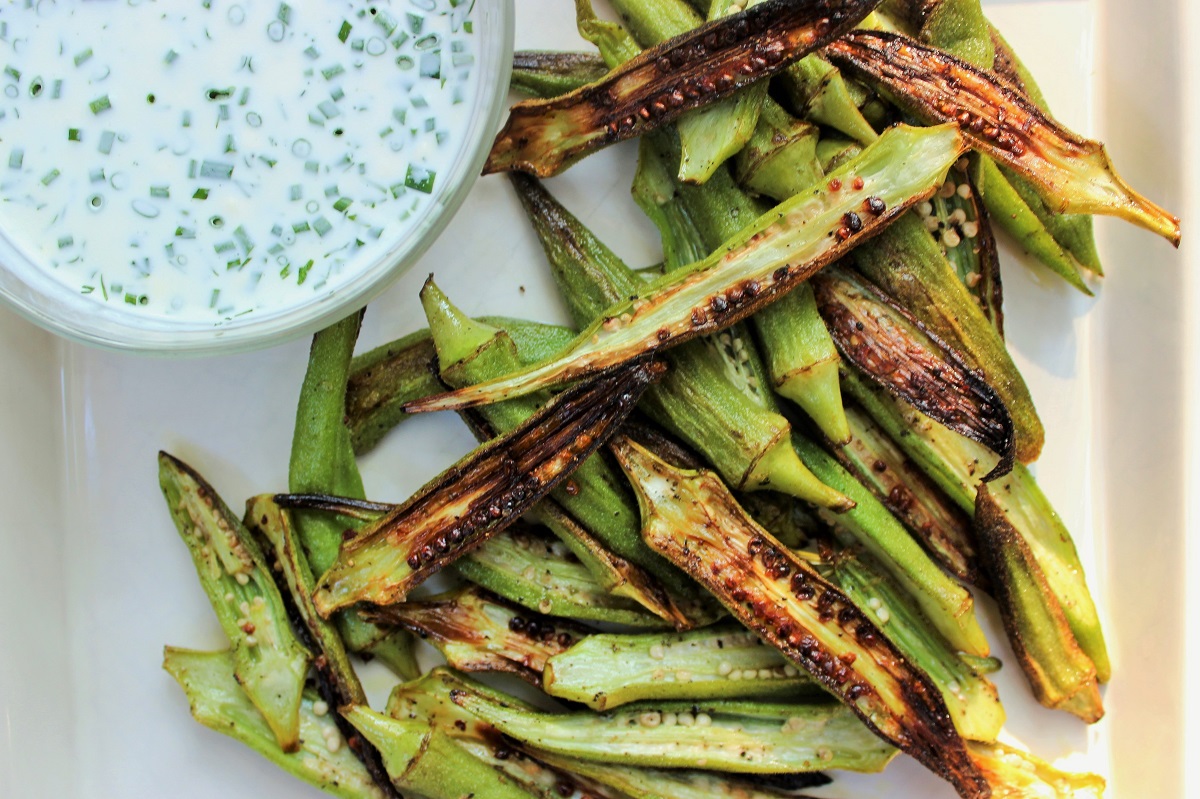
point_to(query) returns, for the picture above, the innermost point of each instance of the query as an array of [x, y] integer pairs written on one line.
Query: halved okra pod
[[481, 494], [218, 702], [749, 444], [693, 519], [268, 661], [604, 671], [906, 263], [768, 258], [322, 461], [1073, 174], [739, 737], [657, 87], [894, 350]]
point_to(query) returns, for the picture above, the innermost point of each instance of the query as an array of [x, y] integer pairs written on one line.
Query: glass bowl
[[53, 305]]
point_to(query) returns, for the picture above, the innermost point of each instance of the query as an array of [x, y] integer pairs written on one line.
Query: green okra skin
[[615, 43], [478, 631], [916, 501], [656, 191], [426, 760], [961, 225], [768, 258], [652, 783], [780, 155], [739, 737], [322, 462], [545, 74], [1014, 215], [907, 265], [956, 464], [385, 378], [947, 605], [801, 358], [1015, 774], [833, 151], [541, 574], [470, 351], [605, 671], [960, 28], [269, 661], [816, 90], [219, 703], [789, 520], [1059, 671], [972, 700]]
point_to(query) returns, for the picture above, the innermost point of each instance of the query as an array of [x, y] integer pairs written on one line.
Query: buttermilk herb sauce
[[204, 160]]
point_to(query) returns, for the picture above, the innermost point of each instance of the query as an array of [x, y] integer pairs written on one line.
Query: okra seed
[[545, 606], [669, 719], [932, 223], [959, 216], [230, 597], [925, 208], [970, 229], [875, 603], [686, 719], [657, 652], [951, 239], [765, 674], [320, 708], [650, 719], [973, 279], [736, 674], [724, 669], [703, 720], [242, 578], [790, 671], [251, 641], [683, 675]]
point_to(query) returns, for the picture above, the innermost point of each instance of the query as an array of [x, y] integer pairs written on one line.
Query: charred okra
[[693, 519]]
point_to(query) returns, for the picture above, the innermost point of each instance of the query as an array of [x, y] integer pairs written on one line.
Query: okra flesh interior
[[1074, 174], [219, 703], [604, 671], [972, 700], [738, 737], [771, 256], [269, 661], [1019, 775], [693, 519]]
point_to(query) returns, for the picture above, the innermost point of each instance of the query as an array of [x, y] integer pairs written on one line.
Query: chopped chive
[[344, 32], [312, 166], [312, 52], [420, 178], [82, 56], [296, 192], [13, 72], [200, 194], [216, 170], [160, 191], [328, 109], [224, 246], [243, 238], [322, 226], [219, 94], [56, 92], [284, 14], [244, 97], [212, 303], [186, 120], [342, 204], [100, 104], [106, 142], [73, 134], [16, 158], [332, 72], [300, 227], [303, 274], [170, 57], [65, 241], [50, 177], [130, 299], [184, 233], [270, 162]]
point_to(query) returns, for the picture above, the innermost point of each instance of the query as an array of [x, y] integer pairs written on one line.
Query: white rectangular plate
[[93, 579]]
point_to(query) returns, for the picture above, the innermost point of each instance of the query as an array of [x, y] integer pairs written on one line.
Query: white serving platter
[[94, 581]]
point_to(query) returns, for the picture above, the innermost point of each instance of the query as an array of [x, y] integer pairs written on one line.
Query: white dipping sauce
[[199, 161]]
